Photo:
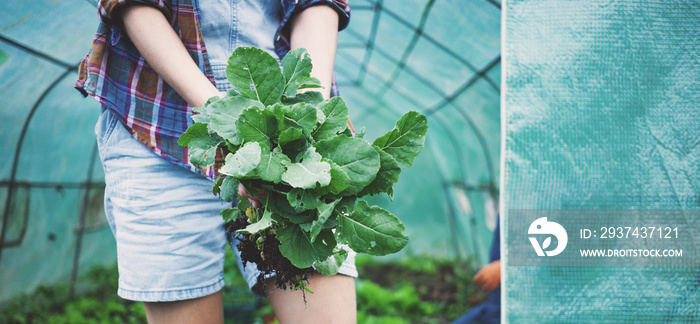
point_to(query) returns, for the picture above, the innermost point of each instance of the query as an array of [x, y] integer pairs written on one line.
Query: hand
[[489, 277], [253, 199]]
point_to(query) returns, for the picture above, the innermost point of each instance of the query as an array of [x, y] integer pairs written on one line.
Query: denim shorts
[[170, 237]]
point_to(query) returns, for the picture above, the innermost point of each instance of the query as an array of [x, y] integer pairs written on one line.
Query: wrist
[[203, 96]]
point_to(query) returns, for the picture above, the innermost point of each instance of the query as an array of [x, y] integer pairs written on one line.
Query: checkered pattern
[[115, 74]]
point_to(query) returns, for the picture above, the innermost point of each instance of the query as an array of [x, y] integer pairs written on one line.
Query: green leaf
[[255, 74], [302, 114], [372, 230], [300, 218], [243, 204], [200, 144], [210, 101], [324, 212], [296, 63], [302, 200], [278, 204], [250, 185], [202, 150], [360, 133], [336, 112], [272, 164], [264, 223], [256, 125], [232, 147], [346, 205], [305, 226], [331, 265], [224, 113], [308, 172], [354, 156], [200, 118], [293, 143], [216, 188], [229, 189], [281, 111], [200, 114], [230, 214], [309, 83], [387, 176], [298, 248], [310, 97], [192, 132], [331, 223], [243, 162], [340, 179], [290, 135], [406, 140]]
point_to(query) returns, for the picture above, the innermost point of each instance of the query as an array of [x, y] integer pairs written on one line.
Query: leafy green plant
[[419, 289], [95, 301], [297, 148], [443, 286], [401, 302]]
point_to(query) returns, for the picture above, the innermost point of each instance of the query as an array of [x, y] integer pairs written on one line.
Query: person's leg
[[169, 234], [333, 301], [208, 309]]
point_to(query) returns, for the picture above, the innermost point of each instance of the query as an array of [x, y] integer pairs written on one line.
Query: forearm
[[316, 30], [156, 40]]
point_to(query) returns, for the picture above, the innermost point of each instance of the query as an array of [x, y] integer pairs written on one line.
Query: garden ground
[[414, 289]]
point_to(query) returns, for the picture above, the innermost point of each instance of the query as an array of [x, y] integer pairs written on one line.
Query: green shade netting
[[395, 56], [602, 113]]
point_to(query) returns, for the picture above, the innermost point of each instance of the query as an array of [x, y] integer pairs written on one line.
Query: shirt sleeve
[[340, 6], [109, 9]]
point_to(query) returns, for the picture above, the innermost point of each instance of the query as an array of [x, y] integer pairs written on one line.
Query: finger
[[242, 191], [256, 204], [260, 194]]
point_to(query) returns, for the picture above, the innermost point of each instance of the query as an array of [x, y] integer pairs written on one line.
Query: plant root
[[269, 260]]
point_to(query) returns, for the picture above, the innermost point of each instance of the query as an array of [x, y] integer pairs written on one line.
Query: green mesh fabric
[[399, 55], [601, 112], [51, 181]]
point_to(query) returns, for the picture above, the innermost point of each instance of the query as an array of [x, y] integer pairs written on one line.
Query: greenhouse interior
[[598, 110]]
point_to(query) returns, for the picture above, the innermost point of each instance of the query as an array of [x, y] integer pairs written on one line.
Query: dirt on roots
[[269, 261]]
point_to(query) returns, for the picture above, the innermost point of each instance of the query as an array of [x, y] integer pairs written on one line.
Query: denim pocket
[[105, 126]]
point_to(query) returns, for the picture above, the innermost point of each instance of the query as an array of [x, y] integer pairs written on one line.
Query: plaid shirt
[[115, 74]]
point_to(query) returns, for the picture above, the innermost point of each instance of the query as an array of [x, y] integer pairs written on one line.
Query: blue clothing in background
[[490, 310]]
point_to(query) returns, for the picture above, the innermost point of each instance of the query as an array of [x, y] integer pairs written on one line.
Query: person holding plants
[[150, 63]]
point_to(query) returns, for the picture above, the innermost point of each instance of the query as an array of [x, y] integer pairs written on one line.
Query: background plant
[[416, 289]]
